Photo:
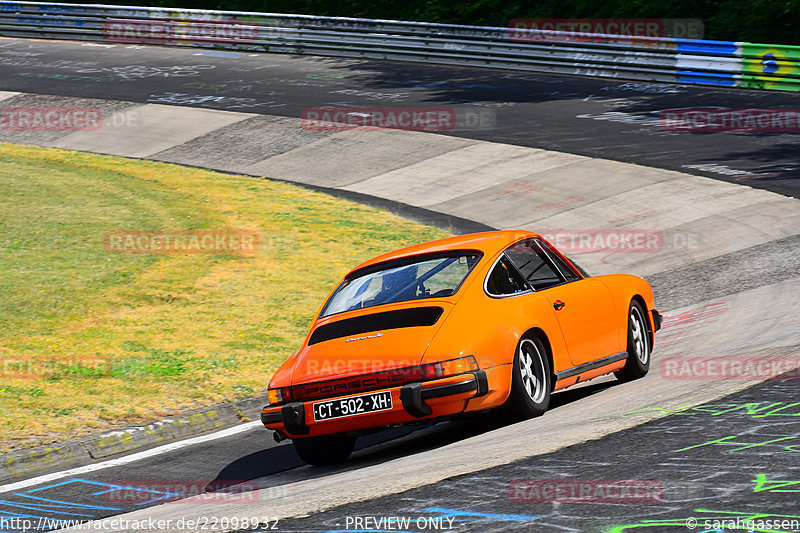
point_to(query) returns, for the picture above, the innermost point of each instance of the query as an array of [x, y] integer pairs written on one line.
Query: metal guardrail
[[662, 59]]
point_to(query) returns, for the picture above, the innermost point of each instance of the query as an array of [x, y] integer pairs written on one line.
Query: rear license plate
[[355, 405]]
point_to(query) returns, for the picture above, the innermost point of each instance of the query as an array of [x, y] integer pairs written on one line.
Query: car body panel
[[588, 321], [624, 288], [370, 351]]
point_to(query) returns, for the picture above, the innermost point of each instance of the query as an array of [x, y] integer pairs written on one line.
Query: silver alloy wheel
[[639, 335], [531, 368]]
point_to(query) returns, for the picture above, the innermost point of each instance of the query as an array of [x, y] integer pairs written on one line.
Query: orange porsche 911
[[487, 320]]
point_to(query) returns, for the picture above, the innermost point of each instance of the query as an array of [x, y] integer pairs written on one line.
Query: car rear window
[[429, 276]]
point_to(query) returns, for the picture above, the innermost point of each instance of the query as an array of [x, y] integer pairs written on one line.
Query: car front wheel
[[638, 362]]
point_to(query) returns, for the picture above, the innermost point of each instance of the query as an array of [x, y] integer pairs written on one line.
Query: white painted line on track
[[235, 430]]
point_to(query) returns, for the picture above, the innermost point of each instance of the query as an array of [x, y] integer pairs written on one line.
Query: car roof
[[488, 242]]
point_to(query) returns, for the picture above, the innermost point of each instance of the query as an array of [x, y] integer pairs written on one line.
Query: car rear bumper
[[413, 395], [410, 402], [657, 318]]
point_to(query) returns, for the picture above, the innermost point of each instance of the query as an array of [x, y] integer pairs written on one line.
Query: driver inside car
[[398, 285]]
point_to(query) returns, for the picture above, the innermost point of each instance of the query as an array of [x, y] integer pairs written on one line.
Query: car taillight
[[276, 396], [452, 367]]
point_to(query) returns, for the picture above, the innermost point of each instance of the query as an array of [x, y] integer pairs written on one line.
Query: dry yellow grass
[[91, 340]]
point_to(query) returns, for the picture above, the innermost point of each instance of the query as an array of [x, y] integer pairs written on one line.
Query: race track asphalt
[[462, 469]]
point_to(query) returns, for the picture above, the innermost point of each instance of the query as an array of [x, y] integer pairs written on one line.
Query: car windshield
[[429, 277]]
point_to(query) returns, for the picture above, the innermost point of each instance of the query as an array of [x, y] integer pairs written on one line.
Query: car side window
[[534, 264], [568, 272], [505, 280]]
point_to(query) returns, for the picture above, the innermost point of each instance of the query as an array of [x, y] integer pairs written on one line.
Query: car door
[[583, 306]]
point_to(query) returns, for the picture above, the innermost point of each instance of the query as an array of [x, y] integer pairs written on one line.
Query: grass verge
[[91, 339]]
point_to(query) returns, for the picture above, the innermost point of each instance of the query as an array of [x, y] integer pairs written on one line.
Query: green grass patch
[[91, 340]]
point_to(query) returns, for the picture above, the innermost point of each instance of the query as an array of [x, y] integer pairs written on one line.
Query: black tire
[[531, 380], [638, 362], [324, 450]]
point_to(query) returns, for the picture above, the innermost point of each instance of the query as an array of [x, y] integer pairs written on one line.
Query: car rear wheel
[[324, 450], [531, 380], [638, 362]]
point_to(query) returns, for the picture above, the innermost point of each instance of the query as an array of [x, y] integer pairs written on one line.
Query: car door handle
[[558, 305]]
